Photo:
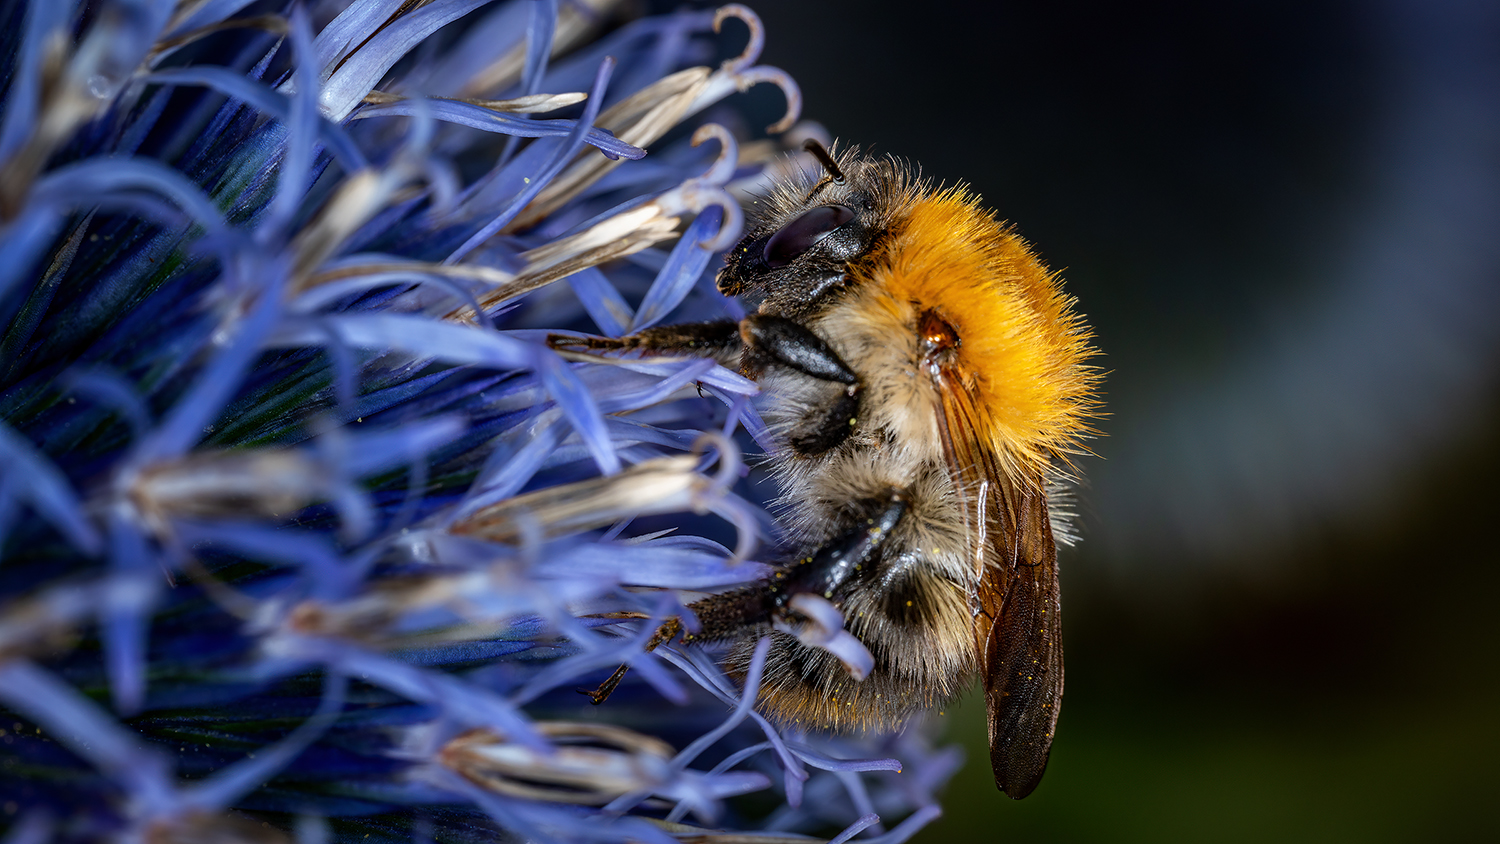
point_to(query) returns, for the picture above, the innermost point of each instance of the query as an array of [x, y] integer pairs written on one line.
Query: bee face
[[809, 231]]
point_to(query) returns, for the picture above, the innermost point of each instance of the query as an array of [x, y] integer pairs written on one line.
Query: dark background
[[1282, 221]]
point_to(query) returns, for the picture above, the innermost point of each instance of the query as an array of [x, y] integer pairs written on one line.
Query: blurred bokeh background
[[1283, 220]]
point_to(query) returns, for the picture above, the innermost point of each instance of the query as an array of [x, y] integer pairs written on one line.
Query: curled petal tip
[[757, 41], [730, 461], [734, 218], [695, 195], [825, 629], [783, 80], [729, 153]]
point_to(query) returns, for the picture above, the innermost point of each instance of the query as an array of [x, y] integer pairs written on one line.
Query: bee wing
[[1018, 621]]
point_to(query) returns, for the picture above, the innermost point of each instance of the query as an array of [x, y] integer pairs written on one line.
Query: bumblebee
[[928, 381]]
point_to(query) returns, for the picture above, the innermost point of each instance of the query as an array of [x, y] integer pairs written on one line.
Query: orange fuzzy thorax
[[1022, 348]]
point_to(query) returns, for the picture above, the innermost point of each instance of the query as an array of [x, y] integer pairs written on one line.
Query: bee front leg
[[719, 340], [784, 342], [778, 341], [754, 343]]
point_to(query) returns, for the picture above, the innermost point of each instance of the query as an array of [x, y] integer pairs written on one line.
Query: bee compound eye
[[803, 233]]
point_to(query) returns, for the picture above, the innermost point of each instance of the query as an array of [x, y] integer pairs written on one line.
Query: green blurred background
[[1282, 220]]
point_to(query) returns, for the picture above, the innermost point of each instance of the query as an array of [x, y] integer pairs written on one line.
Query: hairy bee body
[[926, 377], [911, 607]]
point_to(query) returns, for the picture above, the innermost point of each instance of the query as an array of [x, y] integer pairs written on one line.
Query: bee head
[[808, 232]]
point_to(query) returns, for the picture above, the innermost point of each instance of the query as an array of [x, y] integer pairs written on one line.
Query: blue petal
[[539, 33], [236, 85], [33, 309], [681, 271], [185, 423], [652, 565], [544, 175], [362, 70], [229, 784], [353, 25], [31, 476], [578, 405], [77, 722], [489, 120], [909, 827], [461, 701], [330, 576], [370, 452], [453, 71], [864, 822], [510, 467], [93, 181], [614, 401], [44, 20], [22, 242], [124, 624], [604, 304], [818, 760], [419, 336], [742, 710], [35, 826]]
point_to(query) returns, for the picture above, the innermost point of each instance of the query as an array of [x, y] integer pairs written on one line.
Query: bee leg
[[821, 573], [781, 341], [727, 615], [719, 340], [778, 340], [834, 563], [839, 420], [665, 633], [754, 343]]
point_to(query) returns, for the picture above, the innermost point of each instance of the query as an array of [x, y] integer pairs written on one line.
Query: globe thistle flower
[[307, 533]]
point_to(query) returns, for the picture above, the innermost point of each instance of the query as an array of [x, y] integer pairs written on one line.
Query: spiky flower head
[[306, 530]]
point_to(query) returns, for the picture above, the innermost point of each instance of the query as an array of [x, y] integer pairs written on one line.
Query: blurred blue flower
[[306, 531]]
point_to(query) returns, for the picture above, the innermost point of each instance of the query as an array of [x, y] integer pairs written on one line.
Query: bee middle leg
[[778, 341], [664, 634], [823, 572]]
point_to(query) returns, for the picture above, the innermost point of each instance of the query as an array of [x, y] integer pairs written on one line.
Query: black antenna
[[821, 153]]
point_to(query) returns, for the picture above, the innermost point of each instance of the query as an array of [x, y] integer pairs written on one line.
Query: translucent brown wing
[[1017, 622], [1019, 633]]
